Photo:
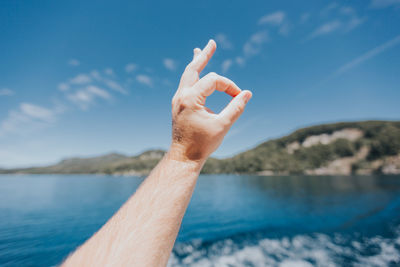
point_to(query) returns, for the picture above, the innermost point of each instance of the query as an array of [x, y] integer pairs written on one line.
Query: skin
[[143, 231]]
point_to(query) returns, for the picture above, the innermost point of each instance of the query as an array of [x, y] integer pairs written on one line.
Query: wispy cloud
[[223, 41], [285, 29], [351, 19], [81, 79], [370, 54], [96, 75], [113, 85], [325, 29], [384, 3], [275, 18], [94, 78], [353, 23], [253, 46], [130, 67], [6, 92], [226, 64], [27, 117], [109, 71], [239, 61], [329, 8], [304, 17], [74, 62], [169, 64], [346, 10], [86, 96], [63, 86], [346, 20], [37, 112], [144, 79]]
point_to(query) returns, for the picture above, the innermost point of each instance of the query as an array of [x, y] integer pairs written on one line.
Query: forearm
[[143, 231]]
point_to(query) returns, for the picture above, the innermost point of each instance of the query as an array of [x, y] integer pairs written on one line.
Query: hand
[[196, 130]]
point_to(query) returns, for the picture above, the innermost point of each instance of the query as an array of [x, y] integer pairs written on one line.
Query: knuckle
[[213, 75], [214, 78], [239, 108], [184, 100], [225, 122], [189, 67], [202, 57]]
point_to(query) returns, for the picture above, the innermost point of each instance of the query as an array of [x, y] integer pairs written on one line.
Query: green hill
[[340, 148]]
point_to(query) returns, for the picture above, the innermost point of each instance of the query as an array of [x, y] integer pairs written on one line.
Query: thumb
[[236, 107]]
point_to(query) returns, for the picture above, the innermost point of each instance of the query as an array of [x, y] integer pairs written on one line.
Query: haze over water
[[231, 220]]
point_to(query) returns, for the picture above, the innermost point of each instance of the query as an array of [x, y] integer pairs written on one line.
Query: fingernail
[[247, 96], [209, 42]]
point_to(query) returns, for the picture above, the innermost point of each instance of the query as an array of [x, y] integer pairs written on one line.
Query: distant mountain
[[107, 164], [330, 149]]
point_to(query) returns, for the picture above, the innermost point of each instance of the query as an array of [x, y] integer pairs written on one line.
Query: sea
[[232, 220]]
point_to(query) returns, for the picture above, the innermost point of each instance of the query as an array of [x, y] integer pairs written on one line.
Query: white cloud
[[81, 79], [239, 61], [109, 71], [328, 9], [304, 17], [86, 96], [353, 23], [144, 79], [130, 67], [81, 97], [63, 86], [6, 92], [115, 86], [370, 54], [91, 79], [284, 29], [223, 41], [275, 18], [96, 91], [226, 64], [346, 21], [346, 10], [384, 3], [74, 62], [96, 75], [254, 44], [26, 118], [325, 29], [169, 63], [37, 112]]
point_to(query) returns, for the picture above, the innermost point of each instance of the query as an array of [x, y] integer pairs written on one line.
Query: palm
[[196, 127]]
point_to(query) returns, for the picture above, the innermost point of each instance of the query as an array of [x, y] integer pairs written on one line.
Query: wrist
[[177, 152]]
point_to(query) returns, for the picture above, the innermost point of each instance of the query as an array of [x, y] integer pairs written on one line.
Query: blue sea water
[[232, 220]]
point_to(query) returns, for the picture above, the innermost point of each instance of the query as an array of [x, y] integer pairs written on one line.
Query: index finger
[[191, 74], [212, 81]]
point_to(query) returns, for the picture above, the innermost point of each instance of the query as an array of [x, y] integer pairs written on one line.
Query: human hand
[[196, 130]]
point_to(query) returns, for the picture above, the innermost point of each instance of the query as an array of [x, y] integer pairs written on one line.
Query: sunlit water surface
[[232, 220]]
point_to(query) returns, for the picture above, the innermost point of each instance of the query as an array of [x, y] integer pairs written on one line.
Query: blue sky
[[83, 78]]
